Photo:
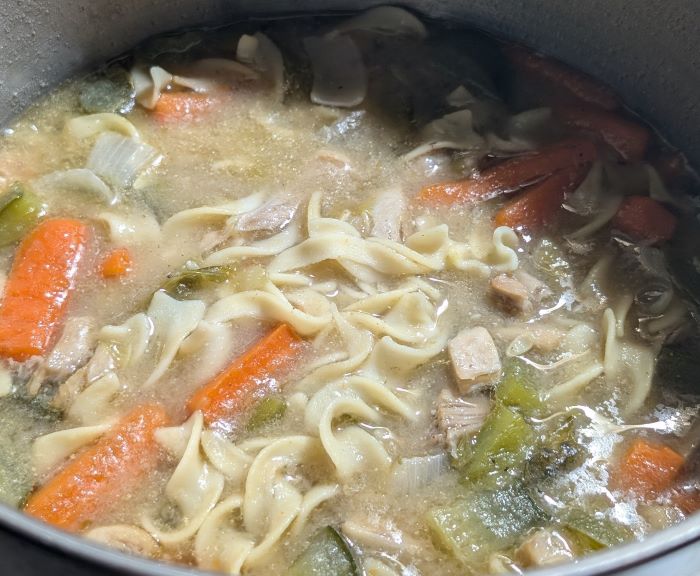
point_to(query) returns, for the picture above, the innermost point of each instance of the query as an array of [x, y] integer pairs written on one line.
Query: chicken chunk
[[537, 289], [543, 548], [457, 417], [474, 357], [511, 294]]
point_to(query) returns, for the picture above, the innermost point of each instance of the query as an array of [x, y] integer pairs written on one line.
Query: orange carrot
[[648, 469], [257, 369], [39, 285], [181, 106], [629, 139], [511, 175], [558, 75], [538, 205], [116, 263], [643, 218], [686, 498], [93, 481]]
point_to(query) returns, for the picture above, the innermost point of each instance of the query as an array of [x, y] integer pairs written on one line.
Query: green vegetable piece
[[20, 210], [500, 450], [185, 284], [600, 531], [326, 555], [111, 91], [558, 451], [266, 411], [482, 522], [517, 388]]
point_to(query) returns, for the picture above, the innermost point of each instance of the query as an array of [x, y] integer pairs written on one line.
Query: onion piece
[[261, 53], [388, 20], [120, 160], [453, 131], [81, 179], [415, 473], [340, 77]]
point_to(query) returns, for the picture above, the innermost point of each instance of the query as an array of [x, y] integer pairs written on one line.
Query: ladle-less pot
[[647, 49]]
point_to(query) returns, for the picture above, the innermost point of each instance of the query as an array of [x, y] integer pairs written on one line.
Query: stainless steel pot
[[646, 49]]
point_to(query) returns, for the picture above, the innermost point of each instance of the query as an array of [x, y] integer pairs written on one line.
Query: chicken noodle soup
[[338, 296]]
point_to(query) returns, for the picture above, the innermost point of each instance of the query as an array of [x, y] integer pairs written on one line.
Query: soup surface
[[340, 296]]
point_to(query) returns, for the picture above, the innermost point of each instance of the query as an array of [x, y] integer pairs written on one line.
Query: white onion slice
[[261, 53], [415, 473], [120, 160], [80, 179]]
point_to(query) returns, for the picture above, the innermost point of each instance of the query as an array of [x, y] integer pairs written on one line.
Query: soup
[[336, 296]]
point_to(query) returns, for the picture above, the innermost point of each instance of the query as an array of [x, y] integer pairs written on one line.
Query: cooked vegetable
[[629, 139], [482, 522], [253, 374], [643, 218], [412, 474], [517, 388], [179, 106], [538, 206], [266, 411], [499, 451], [111, 91], [96, 478], [20, 210], [326, 555], [648, 468], [601, 531], [556, 75], [117, 263], [120, 160], [513, 174], [558, 450], [183, 285], [40, 283]]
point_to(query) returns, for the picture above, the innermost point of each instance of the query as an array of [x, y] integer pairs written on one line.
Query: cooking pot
[[647, 50]]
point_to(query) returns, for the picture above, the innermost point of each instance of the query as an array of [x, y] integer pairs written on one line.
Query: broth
[[346, 295]]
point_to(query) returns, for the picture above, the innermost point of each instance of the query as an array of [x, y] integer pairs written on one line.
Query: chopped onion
[[262, 54], [389, 20], [340, 77], [415, 473], [120, 160], [80, 179]]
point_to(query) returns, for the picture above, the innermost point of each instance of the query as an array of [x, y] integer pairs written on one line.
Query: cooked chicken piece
[[474, 357], [272, 216], [387, 214], [73, 348], [511, 294], [537, 289], [544, 547], [457, 417], [379, 535]]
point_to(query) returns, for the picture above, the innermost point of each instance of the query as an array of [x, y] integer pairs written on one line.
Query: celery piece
[[558, 450], [517, 388], [326, 555], [598, 530], [20, 212], [500, 449], [482, 522], [266, 411], [108, 91], [186, 283]]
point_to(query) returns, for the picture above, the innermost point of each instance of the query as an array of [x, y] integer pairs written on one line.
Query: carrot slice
[[96, 477], [116, 263], [559, 75], [643, 218], [253, 372], [39, 285], [648, 468], [538, 205], [512, 174], [629, 139], [174, 106]]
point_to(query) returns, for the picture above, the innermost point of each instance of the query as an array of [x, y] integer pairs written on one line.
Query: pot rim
[[610, 561]]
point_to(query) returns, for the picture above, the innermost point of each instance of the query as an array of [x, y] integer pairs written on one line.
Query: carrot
[[256, 370], [39, 285], [560, 76], [96, 477], [538, 205], [116, 263], [648, 469], [643, 218], [629, 139], [512, 174], [181, 106], [687, 498]]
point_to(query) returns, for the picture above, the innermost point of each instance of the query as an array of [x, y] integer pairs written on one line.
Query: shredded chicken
[[544, 547], [474, 357], [457, 417], [511, 294], [384, 536], [272, 216], [387, 214], [537, 289]]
